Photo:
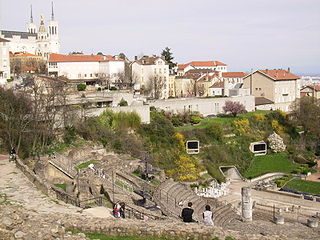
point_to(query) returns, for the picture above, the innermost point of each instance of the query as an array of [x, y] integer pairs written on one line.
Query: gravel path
[[18, 190]]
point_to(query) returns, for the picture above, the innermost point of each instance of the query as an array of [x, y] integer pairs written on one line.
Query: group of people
[[119, 210], [207, 215]]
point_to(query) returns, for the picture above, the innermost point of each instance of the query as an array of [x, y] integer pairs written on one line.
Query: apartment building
[[151, 75], [278, 87]]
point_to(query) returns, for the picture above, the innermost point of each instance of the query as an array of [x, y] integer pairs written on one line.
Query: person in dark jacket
[[187, 213]]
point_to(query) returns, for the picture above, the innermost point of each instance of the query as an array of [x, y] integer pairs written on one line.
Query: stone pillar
[[246, 204]]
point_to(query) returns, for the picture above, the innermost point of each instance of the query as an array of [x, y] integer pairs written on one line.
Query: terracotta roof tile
[[315, 87], [217, 85], [22, 54], [201, 64], [234, 74], [279, 74], [80, 58]]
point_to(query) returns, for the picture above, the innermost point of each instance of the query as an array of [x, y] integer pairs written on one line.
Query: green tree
[[81, 87], [167, 54]]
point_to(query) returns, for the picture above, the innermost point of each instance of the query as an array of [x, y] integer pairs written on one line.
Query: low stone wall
[[36, 180], [170, 229]]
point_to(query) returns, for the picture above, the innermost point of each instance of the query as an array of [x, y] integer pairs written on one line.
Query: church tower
[[53, 33], [32, 27]]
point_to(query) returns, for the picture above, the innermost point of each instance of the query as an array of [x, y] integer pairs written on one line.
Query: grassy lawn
[[85, 164], [106, 237], [222, 120], [270, 163], [304, 186], [62, 186]]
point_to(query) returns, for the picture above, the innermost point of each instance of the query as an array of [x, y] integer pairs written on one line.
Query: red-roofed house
[[22, 62], [85, 67], [278, 86], [210, 65], [311, 90]]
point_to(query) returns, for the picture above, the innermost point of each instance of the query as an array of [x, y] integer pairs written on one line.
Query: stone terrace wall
[[36, 180]]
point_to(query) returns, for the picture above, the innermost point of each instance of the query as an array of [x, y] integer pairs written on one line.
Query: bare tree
[[104, 79], [155, 86], [15, 117]]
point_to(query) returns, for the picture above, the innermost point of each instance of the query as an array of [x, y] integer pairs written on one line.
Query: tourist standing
[[187, 213], [116, 210], [207, 216], [122, 210]]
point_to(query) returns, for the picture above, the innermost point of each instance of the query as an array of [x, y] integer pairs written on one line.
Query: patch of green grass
[[55, 201], [89, 204], [304, 186], [120, 184], [85, 164], [270, 163], [63, 186], [222, 120], [155, 182], [4, 199], [106, 237]]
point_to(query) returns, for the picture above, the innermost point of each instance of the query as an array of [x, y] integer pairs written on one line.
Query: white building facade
[[148, 71], [85, 66], [4, 61], [40, 41]]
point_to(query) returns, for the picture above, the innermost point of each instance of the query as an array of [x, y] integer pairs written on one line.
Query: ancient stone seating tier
[[174, 196]]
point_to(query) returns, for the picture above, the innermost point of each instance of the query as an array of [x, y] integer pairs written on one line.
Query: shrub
[[186, 169], [276, 143], [69, 134], [214, 130], [242, 125], [81, 87], [123, 103], [195, 119]]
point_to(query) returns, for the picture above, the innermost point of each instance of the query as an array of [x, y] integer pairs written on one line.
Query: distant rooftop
[[10, 34]]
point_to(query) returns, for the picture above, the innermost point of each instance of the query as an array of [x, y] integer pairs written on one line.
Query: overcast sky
[[244, 34]]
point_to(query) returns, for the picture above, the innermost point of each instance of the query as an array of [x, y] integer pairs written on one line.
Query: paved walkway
[[20, 191], [268, 198]]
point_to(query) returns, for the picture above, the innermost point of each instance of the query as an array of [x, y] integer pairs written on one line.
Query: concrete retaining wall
[[206, 106]]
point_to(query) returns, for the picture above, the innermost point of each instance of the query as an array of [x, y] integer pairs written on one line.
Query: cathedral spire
[[31, 17], [52, 13]]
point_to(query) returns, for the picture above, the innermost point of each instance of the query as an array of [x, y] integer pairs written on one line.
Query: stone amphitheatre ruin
[[151, 209]]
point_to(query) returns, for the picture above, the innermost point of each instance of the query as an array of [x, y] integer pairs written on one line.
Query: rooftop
[[10, 34], [80, 58], [234, 74], [279, 74], [202, 64]]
